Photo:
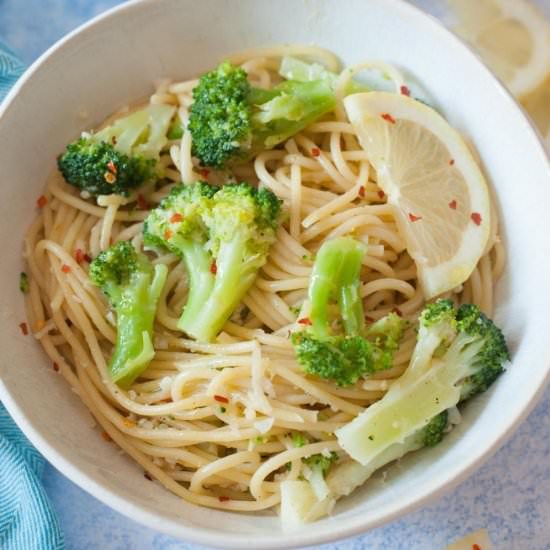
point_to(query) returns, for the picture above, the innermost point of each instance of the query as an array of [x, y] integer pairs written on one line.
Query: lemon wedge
[[511, 36], [438, 192]]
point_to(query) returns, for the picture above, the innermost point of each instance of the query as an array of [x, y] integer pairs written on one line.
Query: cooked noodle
[[215, 420]]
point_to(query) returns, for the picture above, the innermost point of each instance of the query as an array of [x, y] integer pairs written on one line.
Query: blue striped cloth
[[10, 69], [27, 520]]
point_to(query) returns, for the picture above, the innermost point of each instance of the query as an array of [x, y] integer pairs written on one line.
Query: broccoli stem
[[135, 309], [198, 263], [307, 101], [405, 409], [223, 235], [350, 475], [235, 273], [349, 301], [336, 271]]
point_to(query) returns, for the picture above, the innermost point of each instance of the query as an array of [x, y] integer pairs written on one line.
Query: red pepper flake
[[79, 255], [304, 321], [221, 399], [213, 268], [315, 151], [451, 162], [106, 436], [175, 218], [66, 268], [112, 167], [146, 475], [55, 367], [168, 234], [476, 547], [414, 218], [369, 319], [24, 328], [41, 201], [167, 400], [452, 204], [388, 117], [88, 258], [381, 194], [476, 218], [397, 311], [405, 91], [142, 203], [204, 172], [362, 191], [222, 498], [114, 140]]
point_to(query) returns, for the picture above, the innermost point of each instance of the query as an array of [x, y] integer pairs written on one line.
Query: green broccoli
[[359, 351], [230, 120], [122, 156], [133, 286], [298, 70], [459, 353], [432, 434], [316, 468], [299, 439], [176, 129], [340, 359], [223, 236], [486, 366], [387, 334], [24, 282], [352, 474], [321, 462]]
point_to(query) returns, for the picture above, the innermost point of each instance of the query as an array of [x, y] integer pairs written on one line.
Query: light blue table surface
[[510, 495]]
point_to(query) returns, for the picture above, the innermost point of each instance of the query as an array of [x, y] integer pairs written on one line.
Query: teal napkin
[[27, 520], [10, 69]]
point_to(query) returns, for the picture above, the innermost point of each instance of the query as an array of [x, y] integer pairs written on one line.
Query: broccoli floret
[[121, 157], [315, 470], [433, 433], [437, 327], [359, 351], [321, 462], [298, 439], [486, 366], [223, 236], [230, 120], [438, 314], [459, 353], [341, 359], [133, 286], [176, 129], [387, 334]]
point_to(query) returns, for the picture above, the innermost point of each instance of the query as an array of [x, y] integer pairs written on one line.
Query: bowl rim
[[350, 527]]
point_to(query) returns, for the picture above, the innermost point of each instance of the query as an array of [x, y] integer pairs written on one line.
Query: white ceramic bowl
[[113, 60]]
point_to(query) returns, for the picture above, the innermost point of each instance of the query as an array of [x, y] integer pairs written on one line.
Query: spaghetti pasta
[[213, 422]]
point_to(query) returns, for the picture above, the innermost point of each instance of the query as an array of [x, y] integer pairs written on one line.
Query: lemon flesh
[[511, 36], [439, 195]]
